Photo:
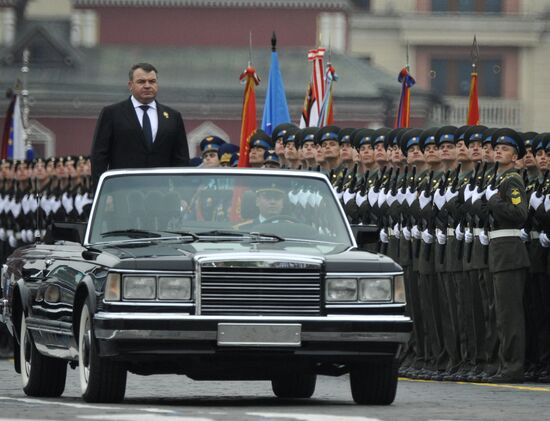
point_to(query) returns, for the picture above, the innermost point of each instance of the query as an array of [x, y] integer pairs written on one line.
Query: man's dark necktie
[[147, 131]]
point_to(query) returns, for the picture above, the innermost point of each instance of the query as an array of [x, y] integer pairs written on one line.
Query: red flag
[[248, 116], [473, 107]]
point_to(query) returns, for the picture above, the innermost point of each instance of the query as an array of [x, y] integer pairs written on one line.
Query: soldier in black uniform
[[508, 258]]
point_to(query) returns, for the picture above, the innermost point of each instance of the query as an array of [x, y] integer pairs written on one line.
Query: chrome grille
[[260, 291]]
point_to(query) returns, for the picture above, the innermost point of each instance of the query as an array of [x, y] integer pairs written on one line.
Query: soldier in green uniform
[[508, 258], [292, 156]]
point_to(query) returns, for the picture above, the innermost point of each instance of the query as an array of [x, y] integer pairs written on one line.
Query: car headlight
[[174, 288], [112, 287], [399, 289], [375, 289], [139, 287], [341, 289]]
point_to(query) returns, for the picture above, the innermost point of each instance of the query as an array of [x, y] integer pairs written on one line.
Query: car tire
[[41, 376], [101, 380], [374, 383], [294, 385]]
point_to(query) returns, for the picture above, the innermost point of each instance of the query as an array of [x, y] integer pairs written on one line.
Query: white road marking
[[70, 405], [141, 417], [310, 417]]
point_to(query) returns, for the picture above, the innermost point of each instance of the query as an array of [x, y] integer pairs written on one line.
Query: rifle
[[341, 181], [463, 219], [531, 214], [431, 224], [353, 177], [427, 192], [472, 223], [386, 216]]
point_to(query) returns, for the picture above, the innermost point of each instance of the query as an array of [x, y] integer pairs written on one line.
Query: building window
[[467, 6], [452, 77], [362, 4]]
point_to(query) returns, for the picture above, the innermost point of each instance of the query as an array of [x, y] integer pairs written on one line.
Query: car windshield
[[217, 207]]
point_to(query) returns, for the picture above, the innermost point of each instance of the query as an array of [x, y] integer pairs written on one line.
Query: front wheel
[[374, 383], [294, 385], [101, 380], [41, 376]]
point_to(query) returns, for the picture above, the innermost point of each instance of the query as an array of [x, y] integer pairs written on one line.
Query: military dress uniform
[[508, 262]]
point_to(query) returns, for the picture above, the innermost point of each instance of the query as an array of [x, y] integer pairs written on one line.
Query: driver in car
[[270, 202]]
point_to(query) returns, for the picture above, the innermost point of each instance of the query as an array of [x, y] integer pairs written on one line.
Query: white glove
[[427, 237], [292, 197], [468, 236], [15, 208], [424, 200], [25, 205], [544, 240], [373, 197], [547, 203], [406, 233], [439, 199], [33, 203], [348, 195], [477, 194], [410, 196], [415, 232], [524, 235], [12, 241], [67, 202], [400, 196], [484, 238], [390, 198], [302, 198], [459, 233], [360, 199], [396, 231], [3, 234], [468, 190], [24, 236], [30, 236], [441, 237], [381, 198], [489, 192], [449, 194], [536, 200], [338, 195], [384, 236]]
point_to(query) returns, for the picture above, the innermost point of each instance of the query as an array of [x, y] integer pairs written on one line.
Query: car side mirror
[[66, 231], [365, 234]]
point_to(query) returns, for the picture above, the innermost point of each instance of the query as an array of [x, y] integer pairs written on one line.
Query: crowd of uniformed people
[[465, 211]]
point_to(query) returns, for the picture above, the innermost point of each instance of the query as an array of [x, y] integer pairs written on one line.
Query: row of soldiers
[[32, 195], [466, 212]]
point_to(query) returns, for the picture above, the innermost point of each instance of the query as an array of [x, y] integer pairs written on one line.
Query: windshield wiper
[[254, 236], [194, 236], [132, 233]]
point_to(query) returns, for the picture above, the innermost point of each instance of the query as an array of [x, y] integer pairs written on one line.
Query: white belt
[[535, 235], [390, 231], [450, 232], [504, 233], [477, 231]]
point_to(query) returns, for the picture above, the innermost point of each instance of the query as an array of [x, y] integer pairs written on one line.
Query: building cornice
[[285, 4]]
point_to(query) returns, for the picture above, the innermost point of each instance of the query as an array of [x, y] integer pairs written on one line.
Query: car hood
[[181, 256]]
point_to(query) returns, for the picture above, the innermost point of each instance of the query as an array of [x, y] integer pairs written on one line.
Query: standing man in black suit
[[139, 132]]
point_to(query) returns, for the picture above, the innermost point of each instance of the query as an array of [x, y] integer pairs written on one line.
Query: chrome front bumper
[[185, 327]]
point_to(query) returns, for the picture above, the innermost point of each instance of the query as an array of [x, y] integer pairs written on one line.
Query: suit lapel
[[132, 117], [162, 117]]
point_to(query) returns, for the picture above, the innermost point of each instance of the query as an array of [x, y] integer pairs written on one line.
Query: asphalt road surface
[[177, 398]]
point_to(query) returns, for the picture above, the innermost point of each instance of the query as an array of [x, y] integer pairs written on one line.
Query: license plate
[[259, 334]]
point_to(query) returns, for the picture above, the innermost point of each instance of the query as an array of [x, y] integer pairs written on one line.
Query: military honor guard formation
[[465, 211]]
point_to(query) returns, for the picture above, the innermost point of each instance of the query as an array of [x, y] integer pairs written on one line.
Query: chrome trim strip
[[104, 315], [110, 334], [361, 274], [156, 272], [265, 258], [380, 305], [176, 305]]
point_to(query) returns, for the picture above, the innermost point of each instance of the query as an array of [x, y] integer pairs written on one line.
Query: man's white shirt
[[151, 112]]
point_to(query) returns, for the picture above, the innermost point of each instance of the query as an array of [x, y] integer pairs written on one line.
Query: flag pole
[[25, 97], [473, 103], [250, 49]]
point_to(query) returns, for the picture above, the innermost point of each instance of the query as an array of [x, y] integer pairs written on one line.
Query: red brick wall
[[207, 26]]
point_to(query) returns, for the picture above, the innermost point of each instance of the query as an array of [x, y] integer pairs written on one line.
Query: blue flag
[[276, 107]]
